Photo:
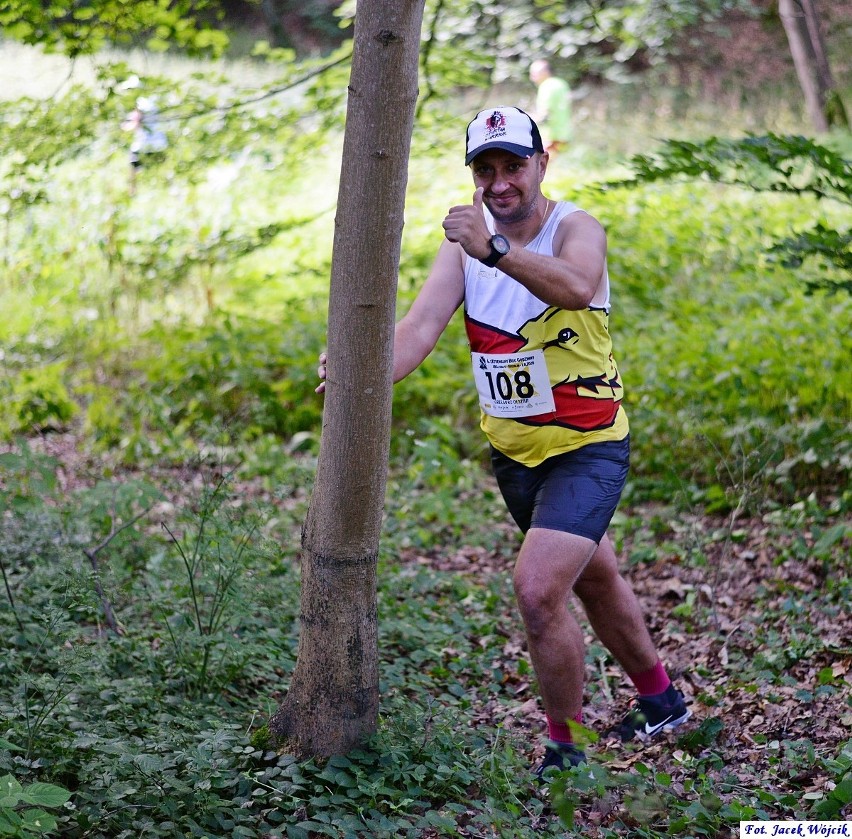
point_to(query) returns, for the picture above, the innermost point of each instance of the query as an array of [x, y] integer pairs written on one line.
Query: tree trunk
[[822, 99], [332, 703]]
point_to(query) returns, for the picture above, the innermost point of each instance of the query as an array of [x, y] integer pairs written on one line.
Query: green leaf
[[38, 821], [830, 538], [46, 795], [10, 821], [703, 736], [843, 791], [436, 819], [148, 763], [10, 791], [6, 744]]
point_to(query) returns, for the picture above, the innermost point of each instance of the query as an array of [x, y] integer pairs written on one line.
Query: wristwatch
[[499, 248]]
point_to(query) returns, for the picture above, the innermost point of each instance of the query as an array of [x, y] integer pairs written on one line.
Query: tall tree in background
[[822, 98], [333, 700]]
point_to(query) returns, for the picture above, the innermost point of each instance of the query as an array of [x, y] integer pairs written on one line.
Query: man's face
[[511, 184]]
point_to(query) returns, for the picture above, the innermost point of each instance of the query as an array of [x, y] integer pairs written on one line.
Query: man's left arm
[[570, 278]]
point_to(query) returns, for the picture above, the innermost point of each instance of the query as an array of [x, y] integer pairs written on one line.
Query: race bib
[[515, 385]]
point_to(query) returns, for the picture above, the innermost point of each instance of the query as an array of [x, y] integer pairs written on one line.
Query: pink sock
[[560, 732], [652, 681]]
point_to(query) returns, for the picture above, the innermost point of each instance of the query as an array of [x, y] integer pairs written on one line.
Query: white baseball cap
[[503, 127]]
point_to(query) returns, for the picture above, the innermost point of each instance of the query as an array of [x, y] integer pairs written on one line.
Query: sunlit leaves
[[599, 38], [84, 28], [769, 163]]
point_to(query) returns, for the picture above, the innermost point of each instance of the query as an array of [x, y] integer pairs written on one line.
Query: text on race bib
[[514, 385]]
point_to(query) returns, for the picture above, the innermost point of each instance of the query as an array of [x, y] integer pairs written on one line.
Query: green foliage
[[156, 371], [39, 134], [769, 163], [28, 821], [627, 30], [485, 37], [192, 311], [85, 28], [28, 477], [36, 399], [206, 606], [698, 315], [188, 317], [832, 249], [160, 729], [832, 806], [790, 164], [474, 43], [703, 737], [236, 375]]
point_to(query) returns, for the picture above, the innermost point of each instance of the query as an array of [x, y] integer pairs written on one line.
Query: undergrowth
[[157, 726]]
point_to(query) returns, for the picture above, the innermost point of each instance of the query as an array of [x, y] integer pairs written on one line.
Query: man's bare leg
[[549, 564], [614, 612], [615, 615]]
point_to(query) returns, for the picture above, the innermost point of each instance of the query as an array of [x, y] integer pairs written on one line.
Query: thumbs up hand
[[465, 224]]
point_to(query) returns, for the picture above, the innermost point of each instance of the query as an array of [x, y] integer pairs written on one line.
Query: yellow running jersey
[[569, 350]]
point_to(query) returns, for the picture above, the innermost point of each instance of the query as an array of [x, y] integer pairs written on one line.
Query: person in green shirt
[[552, 106]]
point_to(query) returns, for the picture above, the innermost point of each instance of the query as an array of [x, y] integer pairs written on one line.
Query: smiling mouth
[[502, 199]]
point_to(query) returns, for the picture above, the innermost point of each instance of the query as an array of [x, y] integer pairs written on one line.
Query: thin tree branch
[[426, 55], [267, 94], [92, 554], [10, 596], [190, 573]]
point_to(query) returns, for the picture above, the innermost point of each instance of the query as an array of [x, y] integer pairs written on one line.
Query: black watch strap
[[499, 248]]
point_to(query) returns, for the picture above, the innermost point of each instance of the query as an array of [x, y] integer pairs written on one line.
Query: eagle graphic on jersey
[[586, 386]]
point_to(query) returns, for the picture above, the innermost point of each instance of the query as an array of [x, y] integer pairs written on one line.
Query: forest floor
[[758, 636], [750, 615]]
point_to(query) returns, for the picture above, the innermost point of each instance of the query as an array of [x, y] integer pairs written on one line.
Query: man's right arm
[[418, 331]]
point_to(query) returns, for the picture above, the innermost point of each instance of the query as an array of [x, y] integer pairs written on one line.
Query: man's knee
[[540, 603], [548, 565]]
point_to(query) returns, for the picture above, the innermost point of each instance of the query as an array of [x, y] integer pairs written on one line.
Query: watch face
[[500, 244]]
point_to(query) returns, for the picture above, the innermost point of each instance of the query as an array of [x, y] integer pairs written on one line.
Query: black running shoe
[[559, 756], [653, 714]]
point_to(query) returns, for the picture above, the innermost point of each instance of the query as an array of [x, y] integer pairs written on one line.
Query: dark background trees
[[721, 45]]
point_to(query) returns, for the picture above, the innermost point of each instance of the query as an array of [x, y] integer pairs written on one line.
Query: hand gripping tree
[[333, 700]]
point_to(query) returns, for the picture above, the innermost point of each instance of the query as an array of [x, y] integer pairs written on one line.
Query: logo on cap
[[495, 126], [502, 127]]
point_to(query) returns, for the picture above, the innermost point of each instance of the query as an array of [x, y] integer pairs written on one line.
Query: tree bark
[[822, 99], [332, 704]]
